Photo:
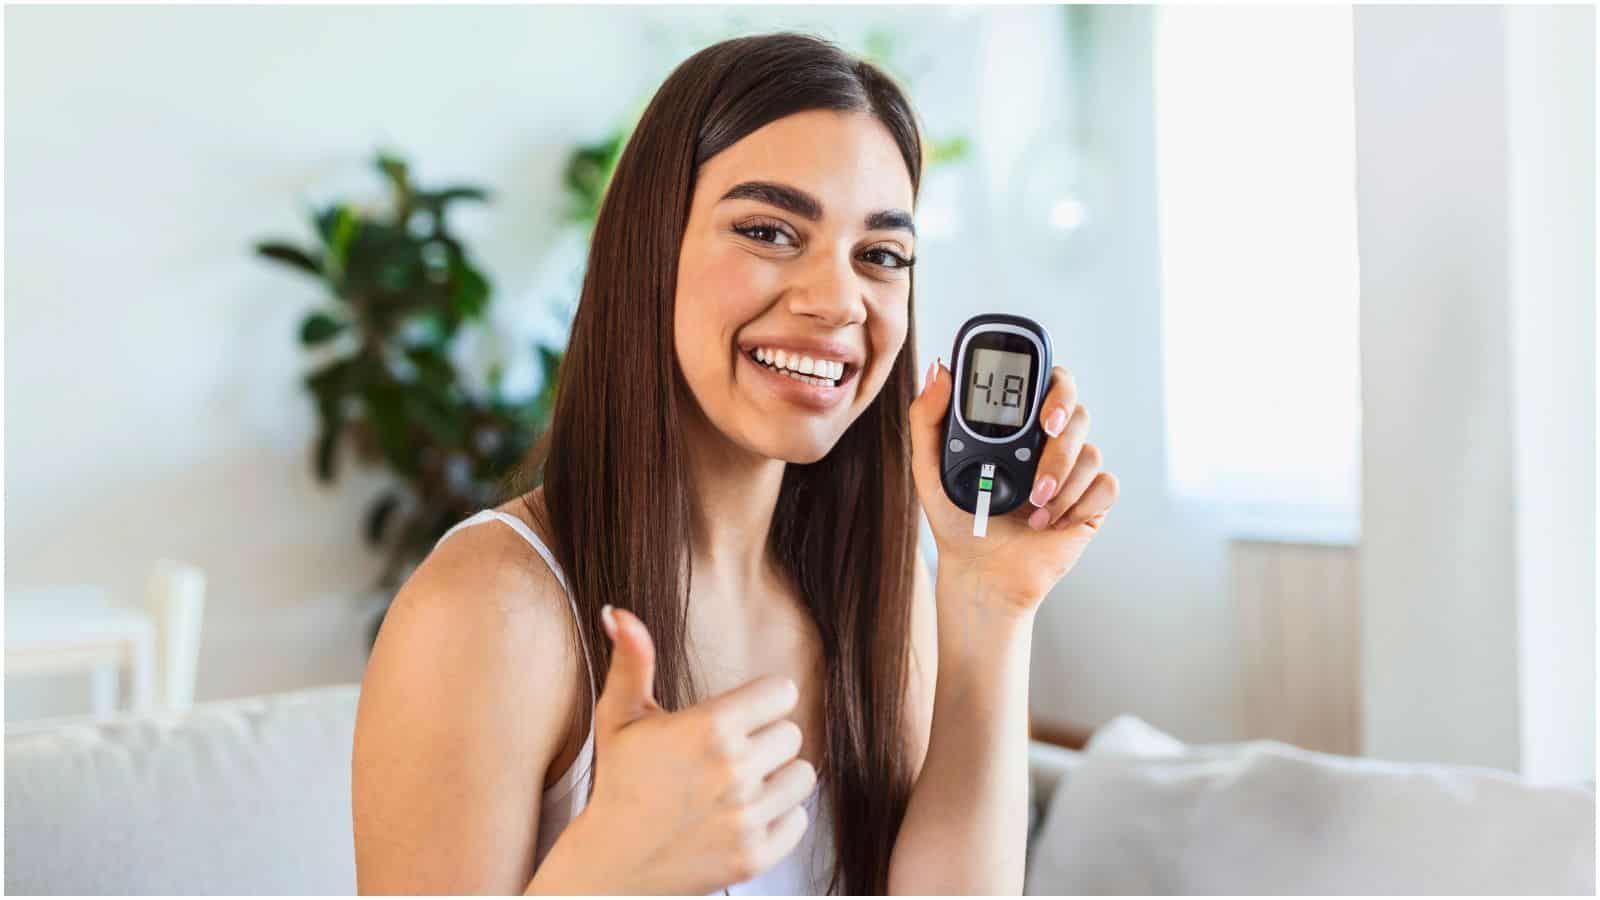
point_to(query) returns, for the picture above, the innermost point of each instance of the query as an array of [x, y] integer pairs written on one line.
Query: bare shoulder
[[483, 605], [489, 562], [467, 699]]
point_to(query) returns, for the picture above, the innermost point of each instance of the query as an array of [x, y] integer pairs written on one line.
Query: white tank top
[[804, 871]]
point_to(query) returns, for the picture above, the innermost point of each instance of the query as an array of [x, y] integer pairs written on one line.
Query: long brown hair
[[617, 483]]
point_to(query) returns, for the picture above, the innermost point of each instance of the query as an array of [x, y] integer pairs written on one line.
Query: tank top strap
[[521, 528]]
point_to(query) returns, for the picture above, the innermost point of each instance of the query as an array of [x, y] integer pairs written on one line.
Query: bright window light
[[1256, 167]]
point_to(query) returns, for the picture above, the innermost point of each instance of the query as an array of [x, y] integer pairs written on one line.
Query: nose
[[830, 292]]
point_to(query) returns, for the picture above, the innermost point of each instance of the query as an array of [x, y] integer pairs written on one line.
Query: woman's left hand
[[1029, 549]]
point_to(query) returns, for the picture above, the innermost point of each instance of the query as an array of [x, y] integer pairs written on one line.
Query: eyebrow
[[803, 204]]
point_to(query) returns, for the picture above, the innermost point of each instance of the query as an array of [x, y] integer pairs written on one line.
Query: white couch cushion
[[249, 795], [1144, 813]]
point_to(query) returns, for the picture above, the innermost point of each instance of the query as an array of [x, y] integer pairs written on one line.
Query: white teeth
[[799, 362], [824, 372]]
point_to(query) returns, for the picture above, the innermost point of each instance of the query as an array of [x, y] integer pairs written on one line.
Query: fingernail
[[1043, 491], [608, 619], [1040, 518], [927, 379], [1054, 422]]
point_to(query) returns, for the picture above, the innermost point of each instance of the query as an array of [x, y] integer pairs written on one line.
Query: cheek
[[721, 283], [886, 334], [718, 293]]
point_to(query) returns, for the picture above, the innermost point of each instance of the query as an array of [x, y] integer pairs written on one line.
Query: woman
[[729, 551]]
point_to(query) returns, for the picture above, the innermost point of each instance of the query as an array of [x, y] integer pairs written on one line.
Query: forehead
[[848, 160]]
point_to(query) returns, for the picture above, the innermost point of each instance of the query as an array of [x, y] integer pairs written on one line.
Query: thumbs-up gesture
[[690, 801]]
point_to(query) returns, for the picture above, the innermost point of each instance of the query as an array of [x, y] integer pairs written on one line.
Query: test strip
[[980, 521]]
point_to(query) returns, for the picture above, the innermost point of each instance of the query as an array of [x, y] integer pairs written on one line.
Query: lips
[[808, 368], [814, 397]]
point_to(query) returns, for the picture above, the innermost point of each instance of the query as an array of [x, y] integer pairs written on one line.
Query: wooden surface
[[1072, 735], [1297, 608]]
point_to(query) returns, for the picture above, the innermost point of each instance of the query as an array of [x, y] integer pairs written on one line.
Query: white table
[[78, 628], [68, 628]]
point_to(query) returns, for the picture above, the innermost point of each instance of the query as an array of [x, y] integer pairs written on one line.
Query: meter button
[[956, 446], [1023, 454]]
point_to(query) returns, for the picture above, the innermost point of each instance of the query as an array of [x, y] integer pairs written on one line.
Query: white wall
[[1437, 564], [1476, 199], [1550, 73], [1144, 624]]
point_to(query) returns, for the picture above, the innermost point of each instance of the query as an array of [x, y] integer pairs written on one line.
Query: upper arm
[[464, 704], [923, 675]]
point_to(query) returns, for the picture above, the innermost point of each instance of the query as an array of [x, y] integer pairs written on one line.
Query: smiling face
[[793, 261]]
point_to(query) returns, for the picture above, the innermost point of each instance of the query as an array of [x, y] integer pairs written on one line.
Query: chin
[[792, 447]]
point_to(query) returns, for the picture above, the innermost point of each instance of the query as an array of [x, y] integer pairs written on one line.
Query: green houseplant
[[401, 288]]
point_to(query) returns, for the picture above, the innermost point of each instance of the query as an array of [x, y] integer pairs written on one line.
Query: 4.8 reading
[[1010, 389]]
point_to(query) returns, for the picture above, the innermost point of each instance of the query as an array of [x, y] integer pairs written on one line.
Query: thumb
[[927, 420], [629, 689]]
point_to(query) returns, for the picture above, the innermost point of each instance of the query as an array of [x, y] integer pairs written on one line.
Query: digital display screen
[[997, 387]]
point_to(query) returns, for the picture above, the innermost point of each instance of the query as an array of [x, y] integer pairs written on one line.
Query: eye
[[900, 262], [753, 229]]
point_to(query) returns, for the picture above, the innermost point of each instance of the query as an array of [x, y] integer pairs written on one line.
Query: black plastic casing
[[958, 469]]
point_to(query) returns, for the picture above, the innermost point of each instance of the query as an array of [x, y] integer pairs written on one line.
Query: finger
[[1082, 475], [770, 748], [1099, 497], [784, 834], [786, 789], [630, 682], [926, 418], [1059, 402], [753, 704], [1056, 460]]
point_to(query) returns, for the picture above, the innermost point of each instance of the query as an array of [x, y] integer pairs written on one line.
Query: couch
[[241, 796], [252, 796]]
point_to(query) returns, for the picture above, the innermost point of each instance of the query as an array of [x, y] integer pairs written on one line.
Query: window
[[1255, 162]]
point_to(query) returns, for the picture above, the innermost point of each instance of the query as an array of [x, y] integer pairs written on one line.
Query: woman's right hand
[[684, 802]]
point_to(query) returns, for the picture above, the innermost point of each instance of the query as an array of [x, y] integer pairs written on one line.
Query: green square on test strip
[[984, 484]]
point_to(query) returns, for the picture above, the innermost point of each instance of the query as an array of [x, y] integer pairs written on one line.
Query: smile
[[802, 368], [814, 392]]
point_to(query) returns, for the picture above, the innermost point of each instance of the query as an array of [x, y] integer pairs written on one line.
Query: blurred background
[[286, 287]]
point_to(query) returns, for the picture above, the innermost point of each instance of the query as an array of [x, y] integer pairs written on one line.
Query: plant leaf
[[319, 327], [437, 200], [326, 452], [385, 406], [433, 369], [338, 227], [327, 382], [395, 169], [948, 150], [290, 255], [379, 515], [471, 294]]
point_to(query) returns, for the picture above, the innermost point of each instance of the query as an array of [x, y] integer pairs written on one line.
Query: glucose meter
[[992, 434]]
